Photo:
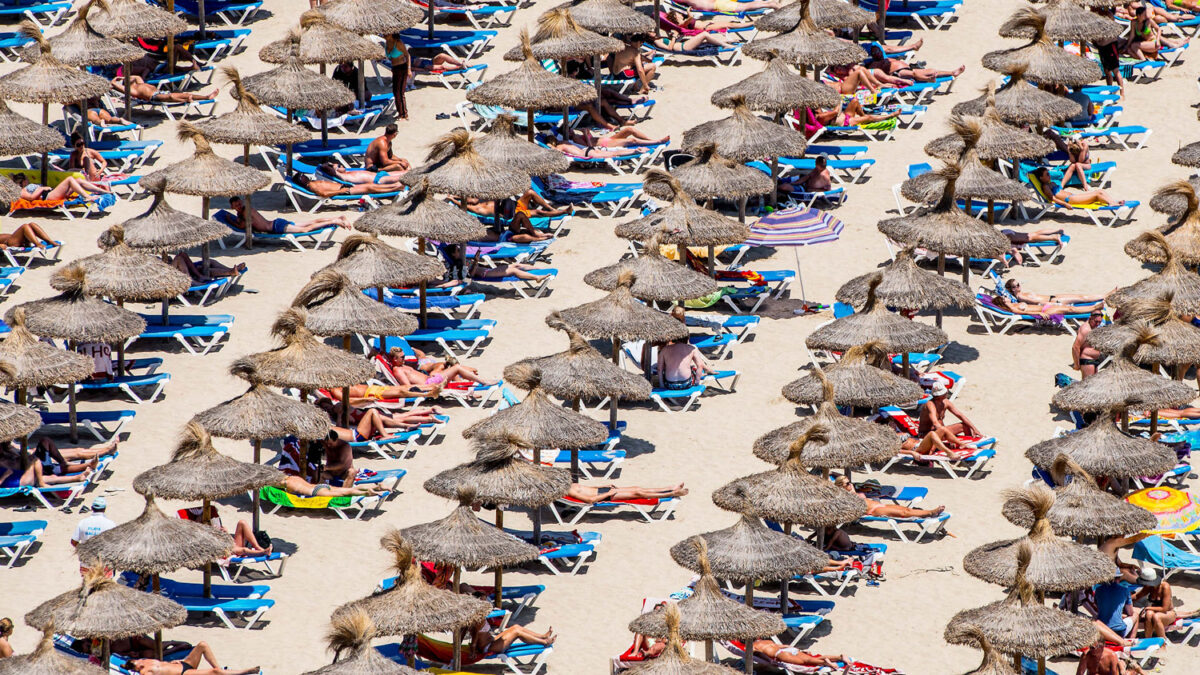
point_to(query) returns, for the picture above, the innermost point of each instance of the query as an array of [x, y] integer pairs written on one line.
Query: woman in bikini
[[881, 64], [13, 476], [589, 494], [850, 78], [929, 444], [1019, 239], [1079, 162], [1145, 36], [627, 136], [431, 370], [87, 160], [60, 462], [1070, 197], [791, 655], [69, 186], [572, 149], [1014, 288], [850, 113], [691, 42], [519, 228], [1044, 310], [875, 508], [26, 236], [370, 423], [690, 25], [485, 643]]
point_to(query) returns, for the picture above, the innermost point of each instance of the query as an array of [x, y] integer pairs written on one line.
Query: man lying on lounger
[[904, 70], [280, 225], [612, 493], [372, 423], [188, 665], [792, 655], [139, 89], [877, 508], [362, 176], [328, 188]]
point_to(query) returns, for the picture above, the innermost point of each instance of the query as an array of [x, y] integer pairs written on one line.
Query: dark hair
[[1008, 285], [820, 160], [6, 627], [390, 129], [232, 200], [18, 177]]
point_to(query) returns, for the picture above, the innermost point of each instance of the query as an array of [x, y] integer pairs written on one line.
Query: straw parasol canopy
[[48, 80], [1020, 623], [22, 136], [581, 372], [462, 539], [1081, 508], [743, 136], [454, 167], [1055, 565], [335, 307], [1178, 343], [304, 362], [198, 471], [711, 176], [1102, 449], [46, 659], [293, 86], [418, 214], [683, 221], [349, 638], [412, 605], [944, 228], [655, 279], [674, 660], [904, 284], [260, 413], [121, 273], [1174, 278], [1044, 61], [1020, 102], [537, 421], [15, 420], [80, 45], [748, 551], [790, 494], [777, 88], [321, 41], [35, 363], [610, 16], [1065, 20], [504, 146], [128, 19], [618, 316], [893, 332], [560, 38], [9, 192], [1188, 155], [154, 543], [862, 379], [164, 229], [102, 608], [823, 13], [707, 614], [76, 316], [499, 475], [368, 262], [1124, 385], [248, 124], [205, 174], [1183, 236], [530, 86], [1171, 204], [974, 181], [993, 662], [807, 45], [990, 137], [372, 17]]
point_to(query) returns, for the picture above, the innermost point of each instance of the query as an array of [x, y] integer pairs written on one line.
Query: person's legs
[[446, 62], [930, 74], [370, 189], [244, 540], [459, 371], [705, 38], [883, 78], [897, 511], [370, 425], [504, 639], [186, 97], [635, 492]]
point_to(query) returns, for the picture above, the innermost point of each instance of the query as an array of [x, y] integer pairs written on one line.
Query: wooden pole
[[72, 415], [206, 518], [257, 460], [456, 662], [249, 243], [499, 568], [748, 657], [45, 123]]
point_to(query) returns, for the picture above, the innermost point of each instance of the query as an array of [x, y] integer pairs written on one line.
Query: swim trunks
[[379, 176], [679, 386], [279, 226]]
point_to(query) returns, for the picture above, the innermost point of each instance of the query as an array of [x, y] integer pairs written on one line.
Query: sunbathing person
[[64, 190], [13, 476], [681, 365], [86, 160], [850, 78], [729, 6], [328, 188], [571, 149], [519, 229], [1043, 310], [876, 508], [850, 114], [361, 176], [100, 117], [689, 43], [29, 235], [1014, 287], [612, 493], [214, 269], [627, 136], [244, 542], [647, 648], [361, 394], [188, 665], [933, 417], [902, 69], [518, 270], [1019, 239], [792, 655], [690, 23], [57, 461], [1070, 197], [139, 89], [485, 643], [280, 225], [1100, 660], [1079, 162], [817, 180], [1145, 38], [1160, 15], [431, 370], [301, 488], [438, 63]]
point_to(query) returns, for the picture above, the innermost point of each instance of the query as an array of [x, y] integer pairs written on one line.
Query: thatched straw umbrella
[[1056, 565], [560, 38], [1173, 278], [76, 316], [861, 379], [974, 181], [743, 136], [413, 606], [1021, 625], [1020, 102], [1081, 508], [370, 263], [710, 176], [1065, 20], [1183, 236], [1102, 449], [611, 17], [504, 146], [708, 615], [993, 663], [539, 421], [321, 42], [22, 136], [1188, 155], [1044, 61], [35, 363], [620, 318], [777, 89], [904, 284], [1171, 204], [990, 137], [101, 608], [454, 167], [823, 13], [46, 659], [656, 279], [372, 17], [47, 81], [124, 274], [15, 419], [295, 87], [336, 307], [875, 323], [351, 633], [807, 44], [204, 174], [1178, 343], [945, 229], [164, 229], [303, 361], [419, 215], [530, 87], [674, 660], [131, 19]]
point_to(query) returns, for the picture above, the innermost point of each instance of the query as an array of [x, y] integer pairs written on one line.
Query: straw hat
[[80, 45], [1178, 343], [859, 379], [102, 608], [154, 543], [304, 362], [682, 221], [198, 471], [618, 316], [499, 475], [1065, 20], [777, 88], [974, 181], [1044, 61], [454, 167], [129, 19], [537, 421], [293, 86], [463, 540], [904, 284], [743, 136], [48, 80], [248, 124], [530, 86], [1081, 508], [1020, 102], [46, 659], [372, 17], [581, 372], [368, 262], [944, 228], [711, 176], [205, 174], [261, 414], [1102, 449], [990, 137], [349, 637], [121, 273], [504, 146], [674, 660], [1174, 278], [560, 38], [609, 16], [748, 552], [321, 41], [808, 45], [1124, 385], [23, 136], [76, 316], [418, 214], [1183, 236], [35, 363], [893, 332], [164, 229], [655, 279], [335, 307]]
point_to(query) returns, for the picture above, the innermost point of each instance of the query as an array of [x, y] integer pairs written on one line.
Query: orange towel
[[22, 204]]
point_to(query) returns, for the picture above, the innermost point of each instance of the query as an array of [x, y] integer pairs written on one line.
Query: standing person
[[1110, 55], [1084, 357], [379, 152], [93, 524], [397, 54], [6, 631]]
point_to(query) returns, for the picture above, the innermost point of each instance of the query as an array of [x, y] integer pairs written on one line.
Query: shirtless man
[[279, 225], [139, 89], [680, 365], [817, 180], [360, 176], [630, 60], [933, 416], [791, 655], [1102, 661], [188, 665], [379, 153], [1084, 357], [901, 69], [329, 188], [593, 495]]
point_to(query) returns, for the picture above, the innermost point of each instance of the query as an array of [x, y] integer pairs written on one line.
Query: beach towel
[[276, 496], [706, 301], [22, 204]]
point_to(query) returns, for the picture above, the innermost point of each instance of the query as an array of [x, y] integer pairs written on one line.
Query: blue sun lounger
[[131, 154], [1171, 559], [197, 333], [95, 422], [520, 658], [64, 492], [464, 306], [151, 386], [11, 45], [592, 463], [609, 199], [908, 496], [16, 538], [45, 15], [226, 602], [318, 237], [461, 44], [526, 288], [231, 13], [651, 510], [217, 44], [341, 149]]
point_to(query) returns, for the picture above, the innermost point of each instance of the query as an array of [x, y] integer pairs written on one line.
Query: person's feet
[[918, 44], [936, 512], [959, 70], [93, 463], [212, 94]]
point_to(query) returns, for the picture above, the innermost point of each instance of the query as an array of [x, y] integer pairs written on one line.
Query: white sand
[[897, 624]]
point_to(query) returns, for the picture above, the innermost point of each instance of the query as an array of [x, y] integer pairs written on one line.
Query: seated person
[[630, 62], [1160, 612], [611, 493], [792, 655], [484, 642], [1071, 197], [86, 160], [13, 476], [933, 417], [729, 6], [214, 269], [1043, 310], [188, 665], [817, 180], [1100, 660], [1145, 38], [244, 542], [648, 648], [681, 365], [28, 235], [431, 370], [1019, 239], [903, 70], [1079, 162], [519, 229], [1014, 287], [876, 508], [301, 488], [69, 187], [140, 90], [280, 225], [379, 155], [57, 461], [360, 176]]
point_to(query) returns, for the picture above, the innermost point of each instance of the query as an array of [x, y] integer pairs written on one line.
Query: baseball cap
[[99, 504]]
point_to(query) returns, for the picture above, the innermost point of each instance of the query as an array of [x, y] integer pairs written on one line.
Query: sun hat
[[938, 389]]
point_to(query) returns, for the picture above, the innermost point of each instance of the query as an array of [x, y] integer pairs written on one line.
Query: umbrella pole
[[991, 212], [201, 18], [45, 123], [346, 389], [205, 253], [429, 15], [742, 209], [249, 243], [1153, 422], [748, 656], [289, 146], [71, 414], [566, 122], [128, 96], [712, 260], [362, 84], [612, 413], [529, 125], [206, 517], [170, 53], [257, 459], [456, 662], [105, 653], [966, 265], [499, 568], [599, 84], [158, 652], [708, 651], [941, 271], [537, 515], [324, 120], [904, 365], [83, 110], [783, 587], [121, 347], [1125, 419], [423, 312], [657, 27]]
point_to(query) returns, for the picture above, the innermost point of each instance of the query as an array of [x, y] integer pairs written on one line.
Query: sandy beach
[[899, 623]]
